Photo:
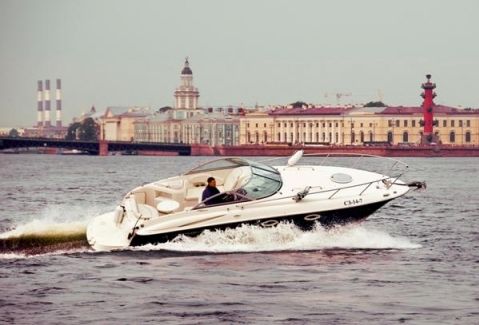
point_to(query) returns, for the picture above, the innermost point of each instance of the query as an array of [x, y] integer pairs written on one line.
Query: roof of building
[[323, 110], [186, 69], [389, 110], [218, 116], [401, 110], [437, 109], [127, 111], [365, 110], [157, 116]]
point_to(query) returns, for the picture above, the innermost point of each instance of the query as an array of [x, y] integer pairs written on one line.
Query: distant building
[[187, 122], [186, 95], [214, 128], [297, 123], [358, 126], [351, 125], [117, 123], [5, 131], [92, 113]]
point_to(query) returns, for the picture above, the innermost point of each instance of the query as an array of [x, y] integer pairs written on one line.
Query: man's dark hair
[[210, 179]]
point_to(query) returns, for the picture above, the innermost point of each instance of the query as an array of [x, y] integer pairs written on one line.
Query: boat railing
[[362, 188], [386, 166]]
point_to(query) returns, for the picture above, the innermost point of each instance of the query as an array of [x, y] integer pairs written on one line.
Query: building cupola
[[186, 95], [186, 69]]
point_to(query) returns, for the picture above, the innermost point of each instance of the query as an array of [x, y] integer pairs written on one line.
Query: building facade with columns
[[426, 124], [318, 125], [214, 128], [358, 126]]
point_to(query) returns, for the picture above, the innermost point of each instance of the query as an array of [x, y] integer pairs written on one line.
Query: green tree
[[375, 104], [72, 131], [298, 104], [13, 133], [164, 109], [89, 130]]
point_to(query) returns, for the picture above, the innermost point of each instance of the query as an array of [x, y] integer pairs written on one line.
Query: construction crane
[[380, 95], [338, 96]]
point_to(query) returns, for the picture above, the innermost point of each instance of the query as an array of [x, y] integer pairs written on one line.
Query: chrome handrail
[[330, 155], [335, 190]]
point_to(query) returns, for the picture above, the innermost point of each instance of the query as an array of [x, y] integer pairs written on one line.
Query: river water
[[414, 261]]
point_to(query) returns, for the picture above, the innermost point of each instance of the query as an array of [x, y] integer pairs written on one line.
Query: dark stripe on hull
[[305, 221]]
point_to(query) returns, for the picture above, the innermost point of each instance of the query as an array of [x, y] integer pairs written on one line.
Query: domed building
[[186, 95], [188, 123]]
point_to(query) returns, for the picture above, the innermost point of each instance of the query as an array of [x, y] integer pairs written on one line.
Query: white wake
[[55, 220], [285, 237], [54, 231], [61, 223]]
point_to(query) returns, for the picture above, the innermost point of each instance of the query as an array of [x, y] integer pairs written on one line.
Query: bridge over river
[[95, 147]]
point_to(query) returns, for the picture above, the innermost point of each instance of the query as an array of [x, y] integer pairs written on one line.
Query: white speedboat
[[250, 193]]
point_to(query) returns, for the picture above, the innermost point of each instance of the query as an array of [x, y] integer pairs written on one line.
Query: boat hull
[[305, 221]]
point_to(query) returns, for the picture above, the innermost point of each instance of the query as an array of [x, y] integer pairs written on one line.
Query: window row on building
[[439, 123], [192, 131], [350, 129]]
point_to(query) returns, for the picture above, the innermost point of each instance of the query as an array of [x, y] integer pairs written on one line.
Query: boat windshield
[[220, 164], [265, 181]]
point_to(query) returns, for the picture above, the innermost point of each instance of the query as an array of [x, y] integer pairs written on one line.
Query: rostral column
[[428, 112]]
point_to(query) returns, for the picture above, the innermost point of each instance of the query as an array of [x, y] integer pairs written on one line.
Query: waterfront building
[[319, 125], [159, 127], [453, 126], [358, 126], [91, 113], [117, 123], [396, 125], [165, 125], [298, 123], [187, 122], [5, 131], [214, 128]]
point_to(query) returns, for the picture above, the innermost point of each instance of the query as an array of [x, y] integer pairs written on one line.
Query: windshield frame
[[264, 180], [274, 178], [234, 163]]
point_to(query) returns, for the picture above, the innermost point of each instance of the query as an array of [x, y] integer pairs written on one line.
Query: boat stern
[[104, 233]]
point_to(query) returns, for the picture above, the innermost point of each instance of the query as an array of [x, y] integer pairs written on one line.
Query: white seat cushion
[[193, 193], [167, 206]]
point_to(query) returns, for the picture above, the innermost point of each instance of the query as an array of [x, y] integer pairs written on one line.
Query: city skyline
[[274, 52]]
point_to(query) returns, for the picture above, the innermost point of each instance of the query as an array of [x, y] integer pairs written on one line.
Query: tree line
[[86, 130]]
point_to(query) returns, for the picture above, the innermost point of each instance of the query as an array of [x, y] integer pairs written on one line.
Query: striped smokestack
[[58, 97], [40, 103], [46, 97]]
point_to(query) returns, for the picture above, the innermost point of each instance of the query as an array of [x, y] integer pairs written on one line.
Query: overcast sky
[[241, 52]]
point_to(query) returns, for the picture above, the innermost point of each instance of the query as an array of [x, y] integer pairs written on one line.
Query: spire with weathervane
[[186, 95]]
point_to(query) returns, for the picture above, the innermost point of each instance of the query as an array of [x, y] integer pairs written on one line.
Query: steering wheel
[[229, 196]]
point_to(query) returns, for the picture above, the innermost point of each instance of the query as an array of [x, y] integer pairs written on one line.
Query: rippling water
[[415, 261]]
